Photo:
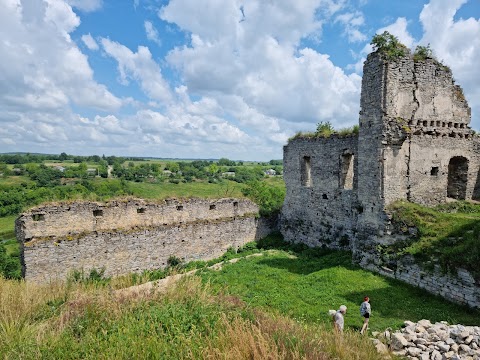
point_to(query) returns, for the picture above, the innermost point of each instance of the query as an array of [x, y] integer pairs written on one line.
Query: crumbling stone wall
[[131, 235], [414, 144], [320, 211]]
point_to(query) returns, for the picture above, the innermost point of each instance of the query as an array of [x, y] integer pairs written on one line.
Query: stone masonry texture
[[414, 144], [131, 235]]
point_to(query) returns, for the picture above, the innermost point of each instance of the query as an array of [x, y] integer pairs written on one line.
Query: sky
[[205, 78]]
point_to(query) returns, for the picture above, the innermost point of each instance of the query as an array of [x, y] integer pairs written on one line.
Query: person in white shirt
[[338, 320]]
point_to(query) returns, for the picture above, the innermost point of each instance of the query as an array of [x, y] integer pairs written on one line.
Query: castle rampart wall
[[131, 236]]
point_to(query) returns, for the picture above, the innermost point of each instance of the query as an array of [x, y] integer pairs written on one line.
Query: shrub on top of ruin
[[324, 129], [423, 53], [352, 130], [388, 46]]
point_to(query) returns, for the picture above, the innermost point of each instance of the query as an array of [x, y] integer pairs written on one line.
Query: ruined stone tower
[[414, 143]]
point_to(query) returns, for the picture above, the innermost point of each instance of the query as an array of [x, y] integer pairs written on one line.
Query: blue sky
[[204, 78]]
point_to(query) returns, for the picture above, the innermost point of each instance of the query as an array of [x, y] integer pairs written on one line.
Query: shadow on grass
[[304, 260], [404, 301], [307, 263]]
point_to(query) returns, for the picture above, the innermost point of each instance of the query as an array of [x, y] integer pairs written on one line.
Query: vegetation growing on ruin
[[388, 46], [269, 306], [423, 53], [325, 130], [447, 234]]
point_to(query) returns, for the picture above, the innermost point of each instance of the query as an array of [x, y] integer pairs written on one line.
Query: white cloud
[[141, 67], [89, 42], [258, 60], [399, 29], [152, 33], [38, 42], [352, 21], [86, 5]]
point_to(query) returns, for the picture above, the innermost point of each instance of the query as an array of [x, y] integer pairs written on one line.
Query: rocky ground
[[426, 341]]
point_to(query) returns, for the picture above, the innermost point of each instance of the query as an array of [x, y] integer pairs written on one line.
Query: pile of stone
[[426, 341]]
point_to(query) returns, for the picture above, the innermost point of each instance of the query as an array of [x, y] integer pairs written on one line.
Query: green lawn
[[7, 227], [306, 286]]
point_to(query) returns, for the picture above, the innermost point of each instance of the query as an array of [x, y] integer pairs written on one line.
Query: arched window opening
[[457, 178]]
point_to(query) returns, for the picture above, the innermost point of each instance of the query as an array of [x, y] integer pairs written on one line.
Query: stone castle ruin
[[131, 235], [414, 143]]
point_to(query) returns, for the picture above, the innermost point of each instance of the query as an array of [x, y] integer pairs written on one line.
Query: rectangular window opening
[[180, 207], [213, 207], [97, 213], [346, 173], [38, 217], [306, 171], [141, 211], [434, 171]]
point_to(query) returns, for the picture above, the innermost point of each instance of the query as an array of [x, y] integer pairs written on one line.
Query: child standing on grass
[[365, 311]]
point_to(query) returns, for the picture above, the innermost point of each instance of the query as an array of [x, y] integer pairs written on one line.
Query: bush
[[324, 129], [388, 46], [268, 197]]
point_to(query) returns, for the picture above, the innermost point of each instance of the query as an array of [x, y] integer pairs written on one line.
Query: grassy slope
[[273, 306], [305, 288], [449, 233], [186, 322]]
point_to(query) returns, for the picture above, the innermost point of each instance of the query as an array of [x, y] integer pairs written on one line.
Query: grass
[[305, 284], [185, 322], [15, 180], [7, 235], [447, 234], [266, 307], [7, 228]]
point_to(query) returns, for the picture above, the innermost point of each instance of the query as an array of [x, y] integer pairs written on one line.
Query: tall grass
[[185, 322]]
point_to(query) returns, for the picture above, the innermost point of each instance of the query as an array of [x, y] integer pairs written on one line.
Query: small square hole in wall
[[213, 207], [141, 211], [97, 213], [38, 217], [180, 207], [434, 171], [235, 204]]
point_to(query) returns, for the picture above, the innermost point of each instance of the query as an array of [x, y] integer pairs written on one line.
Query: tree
[[269, 198], [63, 156], [172, 166], [388, 46], [213, 169]]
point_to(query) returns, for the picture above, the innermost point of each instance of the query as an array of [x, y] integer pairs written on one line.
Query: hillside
[[270, 306]]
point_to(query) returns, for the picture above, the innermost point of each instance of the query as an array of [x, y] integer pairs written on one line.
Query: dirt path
[[161, 285]]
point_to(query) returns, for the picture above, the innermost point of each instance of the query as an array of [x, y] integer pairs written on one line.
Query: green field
[[186, 190]]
